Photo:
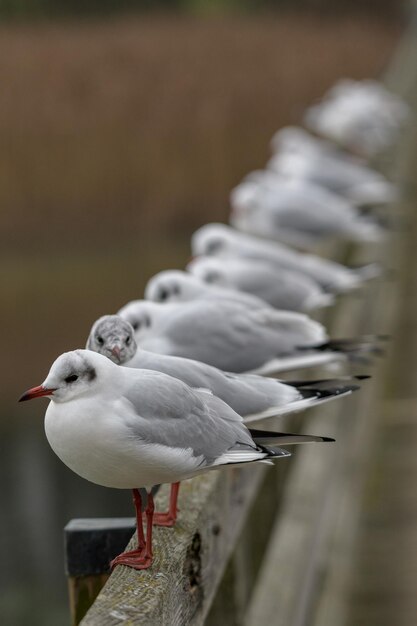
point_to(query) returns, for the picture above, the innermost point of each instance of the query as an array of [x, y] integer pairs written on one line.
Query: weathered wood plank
[[320, 487], [189, 559]]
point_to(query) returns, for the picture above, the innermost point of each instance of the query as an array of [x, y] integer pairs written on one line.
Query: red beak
[[116, 352], [36, 392]]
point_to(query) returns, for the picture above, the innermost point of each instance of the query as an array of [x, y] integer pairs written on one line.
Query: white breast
[[95, 442]]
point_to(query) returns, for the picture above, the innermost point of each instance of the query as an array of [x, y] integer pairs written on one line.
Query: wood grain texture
[[309, 560], [189, 559]]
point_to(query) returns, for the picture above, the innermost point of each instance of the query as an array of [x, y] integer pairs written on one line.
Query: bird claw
[[164, 519], [136, 559]]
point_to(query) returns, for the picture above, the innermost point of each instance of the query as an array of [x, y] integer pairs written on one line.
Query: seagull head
[[246, 197], [294, 139], [73, 375], [209, 269], [113, 337], [141, 315], [212, 239], [173, 286]]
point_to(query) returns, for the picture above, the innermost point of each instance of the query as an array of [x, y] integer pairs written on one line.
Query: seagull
[[224, 242], [129, 429], [355, 181], [370, 95], [284, 289], [179, 286], [361, 116], [298, 212], [237, 338], [289, 290], [296, 140], [253, 397]]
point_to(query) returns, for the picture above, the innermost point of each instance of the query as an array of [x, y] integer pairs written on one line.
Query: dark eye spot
[[127, 340], [90, 373], [163, 295], [71, 379], [100, 340], [212, 277], [213, 246], [135, 325]]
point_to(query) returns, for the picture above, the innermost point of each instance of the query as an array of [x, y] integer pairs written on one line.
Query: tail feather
[[308, 401], [297, 361], [312, 392], [368, 230], [319, 301], [369, 271], [351, 347], [273, 453], [324, 381], [268, 438]]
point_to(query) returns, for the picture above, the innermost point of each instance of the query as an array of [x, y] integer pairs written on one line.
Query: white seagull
[[237, 338], [253, 397], [298, 212], [356, 181], [129, 429], [294, 139], [289, 290], [179, 286], [361, 116], [224, 242]]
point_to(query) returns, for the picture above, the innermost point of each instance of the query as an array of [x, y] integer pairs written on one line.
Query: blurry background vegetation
[[122, 131]]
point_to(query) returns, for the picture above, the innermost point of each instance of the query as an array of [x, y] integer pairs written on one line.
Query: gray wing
[[232, 337], [245, 394], [285, 289], [166, 411], [219, 332], [282, 289]]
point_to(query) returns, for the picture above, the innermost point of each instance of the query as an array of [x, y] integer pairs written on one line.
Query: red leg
[[141, 558], [149, 511], [170, 517], [137, 501]]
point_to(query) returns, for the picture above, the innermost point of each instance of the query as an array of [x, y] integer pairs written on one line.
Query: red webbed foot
[[164, 519], [136, 559]]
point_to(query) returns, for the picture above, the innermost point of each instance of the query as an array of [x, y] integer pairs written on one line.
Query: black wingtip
[[330, 392], [277, 452], [335, 382]]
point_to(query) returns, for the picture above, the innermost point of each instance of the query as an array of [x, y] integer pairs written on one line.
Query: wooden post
[[90, 545]]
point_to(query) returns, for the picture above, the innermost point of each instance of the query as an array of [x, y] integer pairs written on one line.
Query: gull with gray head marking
[[237, 338], [179, 286], [362, 116], [286, 290], [295, 140], [355, 181], [298, 212], [222, 241], [253, 397], [128, 429]]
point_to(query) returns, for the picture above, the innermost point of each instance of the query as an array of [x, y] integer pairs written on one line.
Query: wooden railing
[[259, 545]]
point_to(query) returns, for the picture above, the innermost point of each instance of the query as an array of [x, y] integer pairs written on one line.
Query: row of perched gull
[[199, 352]]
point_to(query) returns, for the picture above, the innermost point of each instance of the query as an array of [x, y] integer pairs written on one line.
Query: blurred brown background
[[119, 135]]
